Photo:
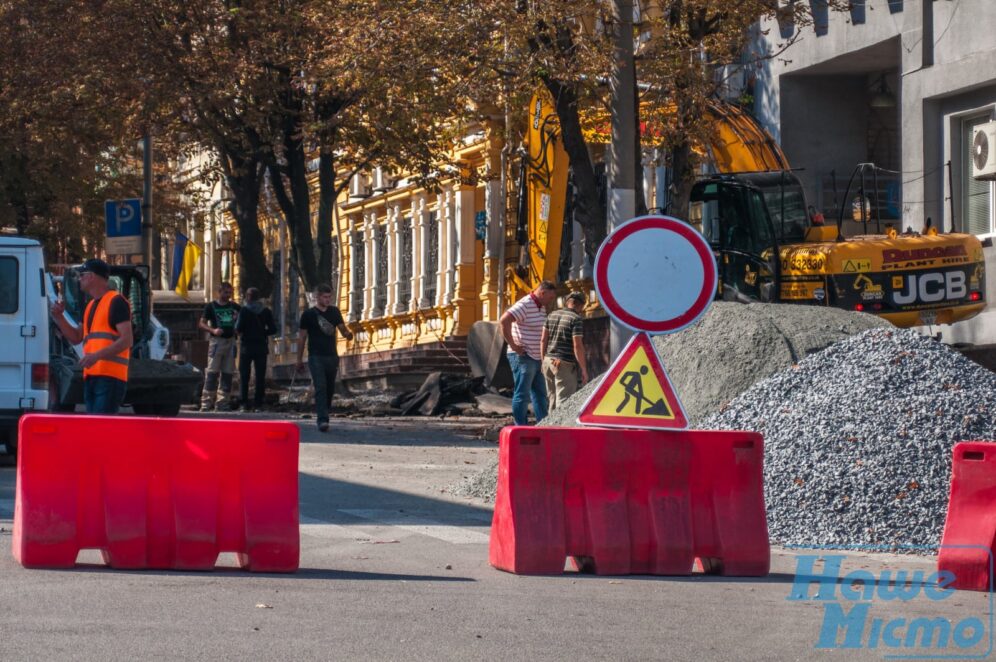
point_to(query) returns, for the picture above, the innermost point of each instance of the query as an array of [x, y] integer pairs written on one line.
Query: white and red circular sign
[[655, 274]]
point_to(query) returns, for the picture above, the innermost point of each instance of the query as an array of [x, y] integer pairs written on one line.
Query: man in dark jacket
[[255, 325]]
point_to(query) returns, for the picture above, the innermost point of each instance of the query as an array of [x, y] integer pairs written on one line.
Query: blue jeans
[[323, 372], [103, 395], [529, 383]]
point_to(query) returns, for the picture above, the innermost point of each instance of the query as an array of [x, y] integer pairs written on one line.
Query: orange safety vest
[[98, 334]]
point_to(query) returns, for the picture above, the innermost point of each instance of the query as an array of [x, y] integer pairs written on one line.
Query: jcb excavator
[[770, 244]]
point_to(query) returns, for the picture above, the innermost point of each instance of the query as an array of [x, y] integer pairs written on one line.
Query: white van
[[24, 333]]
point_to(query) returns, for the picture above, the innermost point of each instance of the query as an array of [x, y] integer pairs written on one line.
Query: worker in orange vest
[[106, 335]]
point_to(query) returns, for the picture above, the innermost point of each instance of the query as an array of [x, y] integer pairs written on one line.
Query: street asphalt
[[394, 567]]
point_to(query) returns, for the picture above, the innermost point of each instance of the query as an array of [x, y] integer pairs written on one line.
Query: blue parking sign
[[123, 219]]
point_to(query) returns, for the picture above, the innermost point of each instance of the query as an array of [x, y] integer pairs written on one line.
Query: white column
[[447, 241], [369, 266], [423, 271], [457, 244]]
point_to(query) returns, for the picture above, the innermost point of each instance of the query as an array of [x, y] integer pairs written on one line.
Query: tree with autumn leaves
[[69, 129], [269, 87], [684, 48]]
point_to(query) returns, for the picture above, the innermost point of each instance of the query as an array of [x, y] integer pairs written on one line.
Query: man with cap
[[106, 335], [562, 345]]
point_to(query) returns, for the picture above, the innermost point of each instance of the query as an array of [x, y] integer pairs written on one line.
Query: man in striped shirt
[[522, 328]]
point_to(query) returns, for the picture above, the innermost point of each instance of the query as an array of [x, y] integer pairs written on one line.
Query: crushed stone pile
[[711, 362], [858, 438], [733, 346]]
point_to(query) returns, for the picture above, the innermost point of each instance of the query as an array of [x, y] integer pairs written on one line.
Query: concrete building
[[903, 84]]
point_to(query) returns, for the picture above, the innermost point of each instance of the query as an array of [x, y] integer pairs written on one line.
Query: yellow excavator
[[770, 244]]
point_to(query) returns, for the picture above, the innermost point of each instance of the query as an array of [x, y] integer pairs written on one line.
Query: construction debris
[[439, 393]]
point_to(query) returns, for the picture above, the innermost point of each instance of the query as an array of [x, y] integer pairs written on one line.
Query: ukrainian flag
[[185, 256]]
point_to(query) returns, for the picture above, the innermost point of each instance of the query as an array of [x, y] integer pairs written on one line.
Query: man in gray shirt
[[564, 366]]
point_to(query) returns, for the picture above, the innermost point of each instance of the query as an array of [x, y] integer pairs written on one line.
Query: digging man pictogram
[[632, 383]]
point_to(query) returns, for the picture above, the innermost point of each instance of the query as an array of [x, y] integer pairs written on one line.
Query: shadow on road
[[386, 435], [225, 572]]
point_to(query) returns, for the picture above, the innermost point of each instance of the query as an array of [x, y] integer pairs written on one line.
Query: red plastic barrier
[[156, 493], [970, 529], [630, 502]]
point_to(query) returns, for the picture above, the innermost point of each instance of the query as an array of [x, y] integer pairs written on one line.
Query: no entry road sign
[[655, 274]]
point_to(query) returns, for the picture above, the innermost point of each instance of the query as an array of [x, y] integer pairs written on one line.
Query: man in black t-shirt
[[219, 320], [318, 326]]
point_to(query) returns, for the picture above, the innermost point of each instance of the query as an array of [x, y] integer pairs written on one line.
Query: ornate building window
[[405, 286], [380, 284], [431, 259], [359, 275]]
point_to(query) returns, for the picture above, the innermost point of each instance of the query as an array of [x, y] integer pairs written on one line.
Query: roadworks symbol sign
[[635, 393]]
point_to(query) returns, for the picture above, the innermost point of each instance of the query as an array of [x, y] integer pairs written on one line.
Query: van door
[[15, 370]]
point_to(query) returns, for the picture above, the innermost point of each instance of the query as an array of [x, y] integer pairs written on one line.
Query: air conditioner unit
[[984, 151], [382, 181], [358, 187]]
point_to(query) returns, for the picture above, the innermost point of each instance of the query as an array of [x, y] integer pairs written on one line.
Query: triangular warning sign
[[635, 393]]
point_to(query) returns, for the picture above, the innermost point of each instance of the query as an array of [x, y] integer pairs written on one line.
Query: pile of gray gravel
[[858, 438], [732, 347]]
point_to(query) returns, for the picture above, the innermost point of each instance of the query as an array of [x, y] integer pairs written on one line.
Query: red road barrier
[[967, 545], [630, 502], [156, 493]]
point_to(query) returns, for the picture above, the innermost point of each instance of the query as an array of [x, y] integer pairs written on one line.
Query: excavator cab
[[734, 219]]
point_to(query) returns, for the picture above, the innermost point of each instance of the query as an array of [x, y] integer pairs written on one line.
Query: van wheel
[[10, 441], [156, 409], [171, 409]]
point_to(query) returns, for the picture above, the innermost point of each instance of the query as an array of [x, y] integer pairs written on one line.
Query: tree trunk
[[289, 181], [22, 216], [683, 178], [243, 177], [326, 204], [589, 208]]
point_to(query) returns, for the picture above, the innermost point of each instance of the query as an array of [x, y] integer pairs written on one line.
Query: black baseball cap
[[96, 267]]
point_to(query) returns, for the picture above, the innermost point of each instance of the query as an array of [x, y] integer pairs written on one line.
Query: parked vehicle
[[24, 334], [39, 369], [156, 386]]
